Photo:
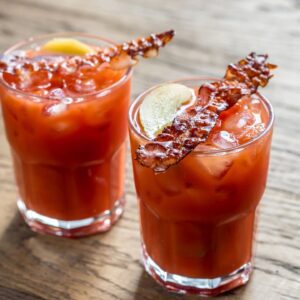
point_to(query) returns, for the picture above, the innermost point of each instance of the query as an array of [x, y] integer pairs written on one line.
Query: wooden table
[[209, 35]]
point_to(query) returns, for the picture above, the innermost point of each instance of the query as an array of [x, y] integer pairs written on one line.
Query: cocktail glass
[[198, 218], [68, 153]]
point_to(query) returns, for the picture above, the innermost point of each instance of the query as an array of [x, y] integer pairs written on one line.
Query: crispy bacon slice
[[126, 54], [118, 57], [193, 126]]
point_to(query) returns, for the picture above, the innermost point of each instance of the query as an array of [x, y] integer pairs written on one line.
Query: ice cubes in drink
[[55, 109], [223, 140], [244, 120], [216, 166], [85, 86]]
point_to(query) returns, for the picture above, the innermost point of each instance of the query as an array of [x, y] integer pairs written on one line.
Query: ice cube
[[14, 57], [62, 126], [55, 109], [11, 79], [67, 68], [40, 78], [224, 140], [255, 105], [20, 78], [252, 132], [216, 166], [87, 86], [82, 85], [238, 121], [32, 80], [171, 182]]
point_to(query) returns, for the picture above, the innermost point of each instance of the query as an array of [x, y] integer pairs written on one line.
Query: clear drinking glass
[[198, 218], [68, 160]]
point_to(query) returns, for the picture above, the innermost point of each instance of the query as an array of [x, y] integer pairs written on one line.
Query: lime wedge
[[67, 46], [160, 106]]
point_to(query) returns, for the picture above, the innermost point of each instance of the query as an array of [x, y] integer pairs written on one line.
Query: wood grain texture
[[209, 35]]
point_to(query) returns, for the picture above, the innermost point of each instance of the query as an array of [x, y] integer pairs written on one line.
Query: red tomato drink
[[67, 141], [198, 217]]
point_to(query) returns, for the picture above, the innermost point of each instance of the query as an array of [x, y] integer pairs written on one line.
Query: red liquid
[[197, 218], [68, 147]]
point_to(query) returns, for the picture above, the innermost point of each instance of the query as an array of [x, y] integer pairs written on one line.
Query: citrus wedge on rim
[[161, 105], [67, 46]]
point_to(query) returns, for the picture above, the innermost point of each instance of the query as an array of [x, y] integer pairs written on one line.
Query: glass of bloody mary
[[198, 218], [67, 140]]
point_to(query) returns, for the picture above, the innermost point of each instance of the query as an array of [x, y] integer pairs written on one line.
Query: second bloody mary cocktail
[[67, 133], [199, 177]]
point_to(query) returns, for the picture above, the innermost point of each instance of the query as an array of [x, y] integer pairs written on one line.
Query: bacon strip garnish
[[126, 54], [118, 57], [193, 126]]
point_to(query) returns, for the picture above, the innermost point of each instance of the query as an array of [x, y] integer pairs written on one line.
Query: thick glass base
[[199, 286], [76, 228]]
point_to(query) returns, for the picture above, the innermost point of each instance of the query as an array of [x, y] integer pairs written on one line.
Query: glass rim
[[32, 39], [238, 148]]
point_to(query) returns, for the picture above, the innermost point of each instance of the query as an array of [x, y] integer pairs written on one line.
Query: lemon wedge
[[160, 106], [67, 46]]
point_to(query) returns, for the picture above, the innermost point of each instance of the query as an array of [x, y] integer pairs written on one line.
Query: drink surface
[[235, 126], [36, 72], [198, 217]]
